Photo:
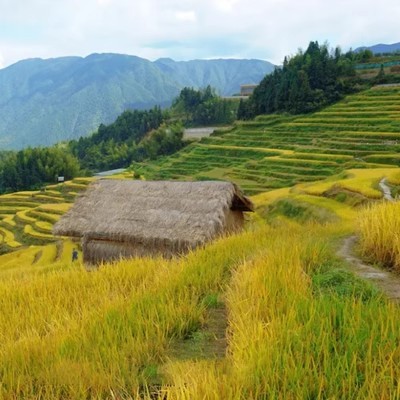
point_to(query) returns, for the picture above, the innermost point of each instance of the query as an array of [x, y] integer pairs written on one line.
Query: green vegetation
[[204, 107], [306, 82], [378, 68], [31, 168], [318, 77], [269, 152], [274, 151], [298, 210], [116, 145], [141, 135], [134, 136], [49, 101]]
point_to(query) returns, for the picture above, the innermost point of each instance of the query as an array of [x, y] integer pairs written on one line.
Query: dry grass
[[67, 333], [379, 231], [289, 340]]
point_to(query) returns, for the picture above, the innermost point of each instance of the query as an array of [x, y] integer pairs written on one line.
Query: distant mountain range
[[46, 101], [381, 48]]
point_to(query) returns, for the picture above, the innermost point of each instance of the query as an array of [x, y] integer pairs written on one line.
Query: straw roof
[[143, 211]]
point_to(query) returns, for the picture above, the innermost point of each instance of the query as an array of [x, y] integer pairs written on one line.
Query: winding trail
[[388, 282], [387, 194]]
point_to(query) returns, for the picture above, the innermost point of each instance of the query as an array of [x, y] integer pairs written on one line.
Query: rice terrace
[[273, 312]]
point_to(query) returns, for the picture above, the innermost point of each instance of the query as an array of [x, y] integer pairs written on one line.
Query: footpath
[[388, 282]]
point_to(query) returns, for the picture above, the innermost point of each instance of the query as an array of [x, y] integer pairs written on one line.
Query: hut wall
[[234, 221], [98, 251]]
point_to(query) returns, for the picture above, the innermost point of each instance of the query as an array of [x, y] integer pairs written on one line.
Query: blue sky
[[188, 29]]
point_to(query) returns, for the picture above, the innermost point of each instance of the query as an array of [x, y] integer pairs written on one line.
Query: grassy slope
[[298, 324]]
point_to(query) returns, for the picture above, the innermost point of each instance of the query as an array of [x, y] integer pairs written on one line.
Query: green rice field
[[274, 151]]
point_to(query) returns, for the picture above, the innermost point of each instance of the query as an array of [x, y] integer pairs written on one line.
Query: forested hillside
[[204, 107], [134, 136], [46, 101], [141, 135], [31, 168], [316, 78], [307, 81]]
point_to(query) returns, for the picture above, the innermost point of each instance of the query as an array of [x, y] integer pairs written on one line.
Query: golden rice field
[[26, 218], [361, 181], [298, 325]]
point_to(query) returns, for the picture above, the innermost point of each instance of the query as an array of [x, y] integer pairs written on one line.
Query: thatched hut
[[127, 218]]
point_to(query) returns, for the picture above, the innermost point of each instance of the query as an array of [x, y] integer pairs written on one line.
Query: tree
[[380, 77], [204, 107], [307, 81], [365, 55], [33, 167], [114, 145]]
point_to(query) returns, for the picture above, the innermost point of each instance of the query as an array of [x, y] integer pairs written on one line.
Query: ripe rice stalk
[[378, 229]]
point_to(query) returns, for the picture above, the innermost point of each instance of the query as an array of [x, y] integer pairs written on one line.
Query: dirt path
[[209, 342], [387, 194], [386, 281], [198, 133]]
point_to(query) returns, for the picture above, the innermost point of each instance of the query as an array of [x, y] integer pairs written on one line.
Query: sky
[[190, 29]]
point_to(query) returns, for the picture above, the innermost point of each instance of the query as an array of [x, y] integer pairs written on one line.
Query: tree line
[[306, 82], [31, 168], [203, 107], [134, 136], [117, 144]]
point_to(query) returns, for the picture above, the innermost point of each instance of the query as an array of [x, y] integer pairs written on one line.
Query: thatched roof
[[128, 210]]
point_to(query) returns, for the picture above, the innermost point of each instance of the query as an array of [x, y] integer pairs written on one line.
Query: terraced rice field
[[26, 218], [264, 314], [33, 260], [362, 131]]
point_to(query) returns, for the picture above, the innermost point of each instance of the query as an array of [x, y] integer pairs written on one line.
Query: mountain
[[224, 75], [46, 101], [381, 48]]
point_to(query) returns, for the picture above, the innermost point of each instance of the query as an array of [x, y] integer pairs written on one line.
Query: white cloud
[[184, 29], [104, 2], [186, 16], [226, 5]]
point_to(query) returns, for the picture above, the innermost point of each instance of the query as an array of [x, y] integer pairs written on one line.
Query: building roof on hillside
[[127, 210], [247, 89]]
